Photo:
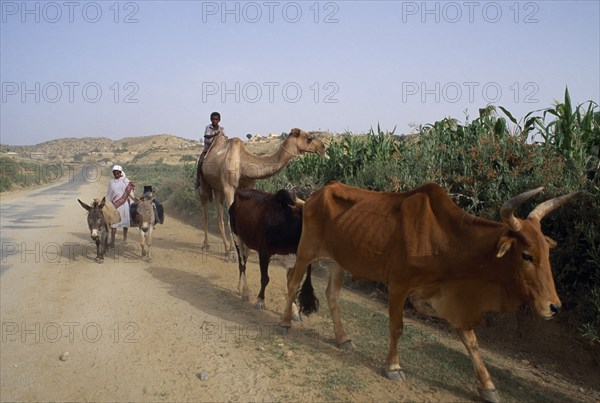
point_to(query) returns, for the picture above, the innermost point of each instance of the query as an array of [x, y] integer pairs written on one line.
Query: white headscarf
[[119, 168]]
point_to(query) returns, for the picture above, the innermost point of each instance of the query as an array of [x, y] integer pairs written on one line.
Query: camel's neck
[[254, 167]]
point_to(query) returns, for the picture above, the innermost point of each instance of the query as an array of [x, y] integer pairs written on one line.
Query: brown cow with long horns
[[424, 246]]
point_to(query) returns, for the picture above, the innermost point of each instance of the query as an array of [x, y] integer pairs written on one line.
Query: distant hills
[[161, 147], [165, 148]]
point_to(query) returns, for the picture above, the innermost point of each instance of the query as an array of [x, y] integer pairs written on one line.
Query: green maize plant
[[347, 157], [574, 134]]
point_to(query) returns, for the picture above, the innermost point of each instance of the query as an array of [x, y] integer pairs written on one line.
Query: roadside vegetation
[[18, 173], [482, 162]]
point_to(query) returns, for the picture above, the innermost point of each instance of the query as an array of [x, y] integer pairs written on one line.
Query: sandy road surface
[[175, 329]]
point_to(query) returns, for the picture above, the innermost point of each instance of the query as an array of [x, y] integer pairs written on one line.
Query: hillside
[[165, 148], [168, 148]]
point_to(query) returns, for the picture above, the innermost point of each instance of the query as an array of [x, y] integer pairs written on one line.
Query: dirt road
[[175, 329]]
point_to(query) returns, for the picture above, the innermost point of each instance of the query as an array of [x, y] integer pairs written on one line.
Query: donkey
[[98, 227], [143, 215]]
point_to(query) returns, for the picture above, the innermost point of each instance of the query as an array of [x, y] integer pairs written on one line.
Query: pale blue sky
[[271, 66]]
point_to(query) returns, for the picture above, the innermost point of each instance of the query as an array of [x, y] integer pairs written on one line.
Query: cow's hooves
[[347, 345], [296, 318], [397, 375], [143, 252], [205, 247], [245, 298], [489, 395], [260, 305]]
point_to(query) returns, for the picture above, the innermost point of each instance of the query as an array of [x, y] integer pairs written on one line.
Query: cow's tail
[[307, 300]]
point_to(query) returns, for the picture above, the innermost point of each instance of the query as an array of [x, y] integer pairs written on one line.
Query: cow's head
[[289, 204], [527, 250]]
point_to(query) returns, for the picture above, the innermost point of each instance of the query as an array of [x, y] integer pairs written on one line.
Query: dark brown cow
[[271, 224], [422, 245]]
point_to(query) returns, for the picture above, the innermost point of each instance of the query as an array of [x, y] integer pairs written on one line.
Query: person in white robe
[[120, 193]]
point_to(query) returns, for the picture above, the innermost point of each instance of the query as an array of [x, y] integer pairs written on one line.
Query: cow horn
[[508, 208], [549, 205]]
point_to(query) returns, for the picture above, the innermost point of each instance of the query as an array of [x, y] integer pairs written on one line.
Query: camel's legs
[[220, 198], [204, 203], [219, 204], [228, 196]]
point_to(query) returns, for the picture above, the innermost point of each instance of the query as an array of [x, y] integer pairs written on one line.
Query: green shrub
[[15, 173]]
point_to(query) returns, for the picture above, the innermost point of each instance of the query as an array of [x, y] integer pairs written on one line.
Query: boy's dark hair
[[215, 114]]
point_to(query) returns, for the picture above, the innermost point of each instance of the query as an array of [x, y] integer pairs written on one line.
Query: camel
[[229, 165]]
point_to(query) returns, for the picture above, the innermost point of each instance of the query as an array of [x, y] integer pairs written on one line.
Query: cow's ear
[[504, 245], [551, 242]]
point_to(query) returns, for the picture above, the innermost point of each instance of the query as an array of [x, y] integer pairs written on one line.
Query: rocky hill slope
[[162, 147], [165, 148]]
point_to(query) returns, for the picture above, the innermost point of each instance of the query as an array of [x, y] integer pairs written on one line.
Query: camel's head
[[301, 142]]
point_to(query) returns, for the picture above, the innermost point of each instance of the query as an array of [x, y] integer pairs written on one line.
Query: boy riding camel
[[211, 132]]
